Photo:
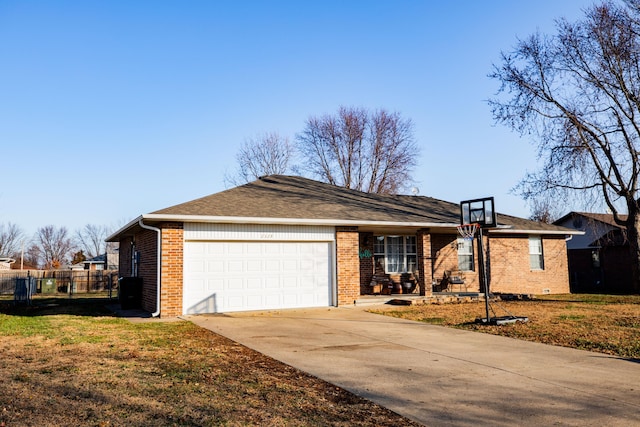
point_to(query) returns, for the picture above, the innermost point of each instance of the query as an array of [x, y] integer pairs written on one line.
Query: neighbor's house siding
[[510, 270]]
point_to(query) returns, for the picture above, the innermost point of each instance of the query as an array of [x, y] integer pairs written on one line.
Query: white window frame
[[408, 255], [466, 260], [536, 253]]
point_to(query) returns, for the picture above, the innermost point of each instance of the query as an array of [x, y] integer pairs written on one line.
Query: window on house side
[[396, 254], [465, 254], [536, 257]]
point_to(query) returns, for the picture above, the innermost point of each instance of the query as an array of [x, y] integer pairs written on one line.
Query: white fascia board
[[287, 221], [124, 228], [546, 232]]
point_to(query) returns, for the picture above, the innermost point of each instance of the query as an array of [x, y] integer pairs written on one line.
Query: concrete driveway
[[440, 376]]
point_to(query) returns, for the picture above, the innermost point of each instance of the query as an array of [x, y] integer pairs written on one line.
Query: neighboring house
[[92, 264], [112, 257], [288, 242], [106, 261], [5, 263], [599, 260]]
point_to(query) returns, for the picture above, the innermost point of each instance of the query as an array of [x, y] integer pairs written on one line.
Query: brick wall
[[145, 243], [425, 262], [366, 261], [172, 269], [348, 264], [445, 250], [124, 259], [510, 267]]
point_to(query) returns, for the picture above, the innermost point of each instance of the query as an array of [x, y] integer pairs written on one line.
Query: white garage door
[[238, 276]]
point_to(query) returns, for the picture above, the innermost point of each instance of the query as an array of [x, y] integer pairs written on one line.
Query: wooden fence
[[61, 281]]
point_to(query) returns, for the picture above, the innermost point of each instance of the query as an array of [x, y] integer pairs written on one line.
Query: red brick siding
[[510, 267], [172, 269], [146, 243], [124, 257], [425, 261], [366, 261], [445, 248], [348, 264]]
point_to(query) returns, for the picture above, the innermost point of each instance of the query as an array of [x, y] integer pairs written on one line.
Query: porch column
[[425, 261], [347, 265]]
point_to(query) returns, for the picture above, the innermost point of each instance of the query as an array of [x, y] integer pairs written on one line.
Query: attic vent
[[546, 291]]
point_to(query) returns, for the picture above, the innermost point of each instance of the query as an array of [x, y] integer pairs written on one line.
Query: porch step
[[440, 298]]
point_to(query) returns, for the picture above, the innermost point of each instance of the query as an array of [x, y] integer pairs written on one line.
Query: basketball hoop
[[467, 231]]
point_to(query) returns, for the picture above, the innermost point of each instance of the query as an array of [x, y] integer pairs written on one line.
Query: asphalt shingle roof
[[279, 196]]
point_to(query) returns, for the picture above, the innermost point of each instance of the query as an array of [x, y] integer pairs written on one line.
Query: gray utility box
[[48, 286]]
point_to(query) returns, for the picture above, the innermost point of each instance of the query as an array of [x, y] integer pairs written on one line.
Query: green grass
[[25, 326]]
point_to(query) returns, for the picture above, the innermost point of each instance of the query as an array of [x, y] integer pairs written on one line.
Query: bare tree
[[32, 256], [11, 239], [368, 151], [578, 92], [268, 154], [91, 240], [545, 210], [54, 245]]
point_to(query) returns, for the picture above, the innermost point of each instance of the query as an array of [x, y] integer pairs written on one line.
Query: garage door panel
[[272, 282], [255, 275]]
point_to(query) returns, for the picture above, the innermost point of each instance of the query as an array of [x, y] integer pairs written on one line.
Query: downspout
[[157, 230]]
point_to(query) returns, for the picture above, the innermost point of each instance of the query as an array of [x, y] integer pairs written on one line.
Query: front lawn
[[603, 323], [66, 363]]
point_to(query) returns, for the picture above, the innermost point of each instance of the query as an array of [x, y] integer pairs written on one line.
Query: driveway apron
[[442, 376]]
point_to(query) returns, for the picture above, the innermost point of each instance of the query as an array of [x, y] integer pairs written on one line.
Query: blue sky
[[111, 109]]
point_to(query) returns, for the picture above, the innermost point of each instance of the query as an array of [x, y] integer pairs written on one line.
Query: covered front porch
[[411, 261], [420, 262]]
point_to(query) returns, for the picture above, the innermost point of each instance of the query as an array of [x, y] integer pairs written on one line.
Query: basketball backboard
[[479, 211]]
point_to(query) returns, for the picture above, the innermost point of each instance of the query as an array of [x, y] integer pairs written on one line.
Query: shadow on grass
[[91, 307]]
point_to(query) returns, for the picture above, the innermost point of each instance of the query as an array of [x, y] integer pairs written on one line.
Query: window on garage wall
[[536, 256], [396, 254]]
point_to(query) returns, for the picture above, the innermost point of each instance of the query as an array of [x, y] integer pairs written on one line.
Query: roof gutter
[[157, 230], [289, 221], [523, 231]]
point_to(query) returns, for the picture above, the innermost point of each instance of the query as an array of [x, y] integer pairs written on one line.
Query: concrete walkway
[[440, 376]]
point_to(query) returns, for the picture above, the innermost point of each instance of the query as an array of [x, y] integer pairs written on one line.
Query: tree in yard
[[54, 246], [31, 256], [78, 257], [372, 151], [11, 239], [268, 154], [91, 239], [578, 92]]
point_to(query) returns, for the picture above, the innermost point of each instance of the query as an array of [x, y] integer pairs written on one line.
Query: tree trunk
[[633, 235]]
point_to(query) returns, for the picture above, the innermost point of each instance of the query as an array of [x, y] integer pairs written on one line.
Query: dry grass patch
[[84, 367], [602, 323]]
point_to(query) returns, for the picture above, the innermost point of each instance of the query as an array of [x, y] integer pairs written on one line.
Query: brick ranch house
[[291, 242]]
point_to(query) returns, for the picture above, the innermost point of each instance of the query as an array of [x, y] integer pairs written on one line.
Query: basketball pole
[[483, 273]]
